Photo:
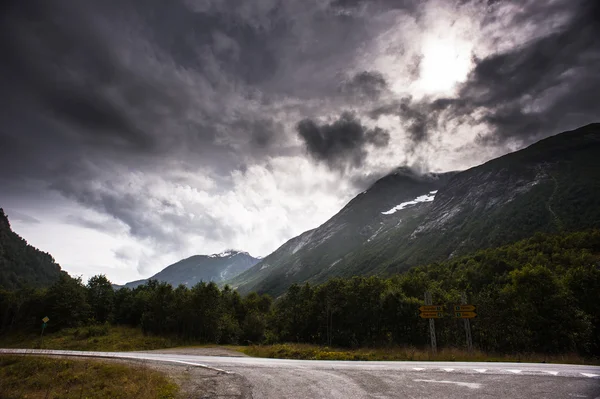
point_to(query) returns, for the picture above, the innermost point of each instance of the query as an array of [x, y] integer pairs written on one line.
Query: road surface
[[300, 379]]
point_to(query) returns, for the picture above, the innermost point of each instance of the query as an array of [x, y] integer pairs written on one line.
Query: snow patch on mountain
[[422, 198], [305, 240], [227, 253]]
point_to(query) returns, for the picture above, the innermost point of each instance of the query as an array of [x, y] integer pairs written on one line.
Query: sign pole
[[45, 321], [42, 336], [429, 301], [467, 322]]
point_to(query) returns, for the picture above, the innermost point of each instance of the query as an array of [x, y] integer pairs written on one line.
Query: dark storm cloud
[[58, 64], [366, 84], [342, 143], [546, 86], [93, 93], [541, 87], [416, 118], [410, 5], [115, 104]]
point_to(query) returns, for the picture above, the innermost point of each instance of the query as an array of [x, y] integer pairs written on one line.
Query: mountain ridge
[[548, 186], [196, 268], [21, 264]]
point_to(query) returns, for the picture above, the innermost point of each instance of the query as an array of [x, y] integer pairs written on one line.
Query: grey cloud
[[417, 118], [409, 5], [341, 144], [366, 84], [125, 254], [95, 93], [22, 217], [545, 86], [106, 226]]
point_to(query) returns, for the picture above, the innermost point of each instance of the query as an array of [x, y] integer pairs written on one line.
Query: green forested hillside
[[539, 295], [21, 264]]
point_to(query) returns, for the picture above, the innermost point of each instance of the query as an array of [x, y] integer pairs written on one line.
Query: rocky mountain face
[[22, 265], [405, 220], [392, 202], [197, 268]]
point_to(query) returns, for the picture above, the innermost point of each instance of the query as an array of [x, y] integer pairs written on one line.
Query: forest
[[538, 295]]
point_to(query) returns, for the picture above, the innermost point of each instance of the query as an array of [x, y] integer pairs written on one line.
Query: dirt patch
[[201, 383]]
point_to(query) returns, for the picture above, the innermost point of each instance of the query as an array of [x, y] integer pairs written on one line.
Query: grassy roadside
[[92, 338], [40, 377], [118, 338], [314, 352]]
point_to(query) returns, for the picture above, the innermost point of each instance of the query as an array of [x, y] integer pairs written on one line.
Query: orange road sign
[[464, 315], [464, 308], [431, 308], [431, 315]]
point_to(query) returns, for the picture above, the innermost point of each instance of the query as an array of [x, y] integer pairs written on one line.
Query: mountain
[[550, 186], [22, 265], [217, 268], [393, 201]]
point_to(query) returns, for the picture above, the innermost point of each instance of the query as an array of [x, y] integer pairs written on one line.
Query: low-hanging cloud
[[343, 143]]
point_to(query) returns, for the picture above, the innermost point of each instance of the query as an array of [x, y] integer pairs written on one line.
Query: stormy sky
[[134, 133]]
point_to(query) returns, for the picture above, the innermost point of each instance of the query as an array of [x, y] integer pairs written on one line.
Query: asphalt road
[[299, 379]]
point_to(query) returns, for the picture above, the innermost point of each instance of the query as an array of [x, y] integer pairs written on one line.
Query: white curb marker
[[472, 385], [551, 372]]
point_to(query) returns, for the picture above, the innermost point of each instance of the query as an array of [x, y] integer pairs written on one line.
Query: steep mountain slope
[[21, 264], [217, 268], [550, 186], [314, 255]]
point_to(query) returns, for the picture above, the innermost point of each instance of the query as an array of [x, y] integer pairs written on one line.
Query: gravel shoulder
[[199, 382], [202, 383]]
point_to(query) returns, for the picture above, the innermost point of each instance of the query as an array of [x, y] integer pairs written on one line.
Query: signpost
[[465, 312], [464, 308], [432, 308], [428, 302], [431, 315], [465, 315], [45, 321]]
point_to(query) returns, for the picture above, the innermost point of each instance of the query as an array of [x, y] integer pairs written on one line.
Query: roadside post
[[466, 312], [431, 312], [45, 321]]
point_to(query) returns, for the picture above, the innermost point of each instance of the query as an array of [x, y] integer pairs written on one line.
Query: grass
[[122, 339], [40, 377], [92, 338], [315, 352]]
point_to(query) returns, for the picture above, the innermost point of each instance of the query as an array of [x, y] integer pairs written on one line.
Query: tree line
[[536, 295]]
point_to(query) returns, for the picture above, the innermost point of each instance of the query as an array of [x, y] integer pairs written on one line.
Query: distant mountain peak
[[216, 267], [228, 253]]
